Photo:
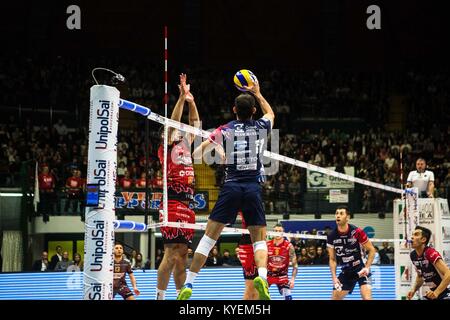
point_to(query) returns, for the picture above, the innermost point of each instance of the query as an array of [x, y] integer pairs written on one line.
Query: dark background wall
[[308, 34]]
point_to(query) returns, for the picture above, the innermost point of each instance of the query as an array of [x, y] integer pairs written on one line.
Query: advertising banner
[[101, 182], [318, 180]]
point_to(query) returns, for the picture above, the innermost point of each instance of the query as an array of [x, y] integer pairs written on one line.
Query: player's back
[[244, 143]]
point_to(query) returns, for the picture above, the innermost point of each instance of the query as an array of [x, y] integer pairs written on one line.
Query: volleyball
[[244, 78]]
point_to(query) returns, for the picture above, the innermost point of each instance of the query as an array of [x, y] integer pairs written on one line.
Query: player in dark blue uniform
[[345, 244], [431, 269], [242, 141]]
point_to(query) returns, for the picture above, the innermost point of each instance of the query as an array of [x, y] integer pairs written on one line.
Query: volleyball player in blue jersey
[[243, 141]]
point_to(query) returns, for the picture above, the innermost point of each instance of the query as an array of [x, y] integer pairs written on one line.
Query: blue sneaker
[[262, 287], [185, 292]]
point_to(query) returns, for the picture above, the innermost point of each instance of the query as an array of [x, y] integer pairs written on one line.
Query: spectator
[[384, 259], [46, 192], [61, 128], [321, 256], [214, 259], [303, 259], [126, 182], [236, 255], [159, 256], [141, 183], [41, 264], [312, 253], [57, 257], [366, 200], [76, 265], [229, 260], [132, 258], [388, 251], [64, 263], [376, 259], [121, 170], [74, 190], [190, 256], [138, 262]]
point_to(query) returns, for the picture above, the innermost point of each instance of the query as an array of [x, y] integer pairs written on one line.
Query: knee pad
[[259, 245], [205, 245]]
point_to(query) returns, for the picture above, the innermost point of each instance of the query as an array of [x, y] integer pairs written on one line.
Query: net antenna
[[117, 77]]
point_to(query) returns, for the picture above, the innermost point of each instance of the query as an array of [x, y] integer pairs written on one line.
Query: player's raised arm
[[194, 118], [177, 111], [265, 106]]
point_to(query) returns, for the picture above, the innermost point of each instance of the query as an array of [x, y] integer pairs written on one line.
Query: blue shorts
[[349, 279], [240, 196]]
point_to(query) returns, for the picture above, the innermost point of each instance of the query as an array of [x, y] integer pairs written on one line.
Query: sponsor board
[[318, 180], [129, 202]]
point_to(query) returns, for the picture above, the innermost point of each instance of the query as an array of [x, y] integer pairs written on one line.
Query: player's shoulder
[[413, 255], [263, 122], [431, 254], [355, 229], [288, 244], [332, 234]]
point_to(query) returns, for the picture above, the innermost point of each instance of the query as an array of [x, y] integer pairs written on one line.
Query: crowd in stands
[[60, 148], [59, 262]]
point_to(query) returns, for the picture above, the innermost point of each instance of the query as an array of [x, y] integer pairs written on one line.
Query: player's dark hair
[[244, 104], [347, 211], [422, 159], [118, 244], [426, 233], [278, 225]]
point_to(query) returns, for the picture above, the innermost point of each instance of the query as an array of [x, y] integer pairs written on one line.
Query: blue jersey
[[348, 247], [244, 143]]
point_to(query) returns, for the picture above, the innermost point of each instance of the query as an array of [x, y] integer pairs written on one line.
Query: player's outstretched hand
[[291, 284], [410, 295], [431, 295], [337, 284], [254, 88], [364, 272], [136, 291], [185, 89]]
